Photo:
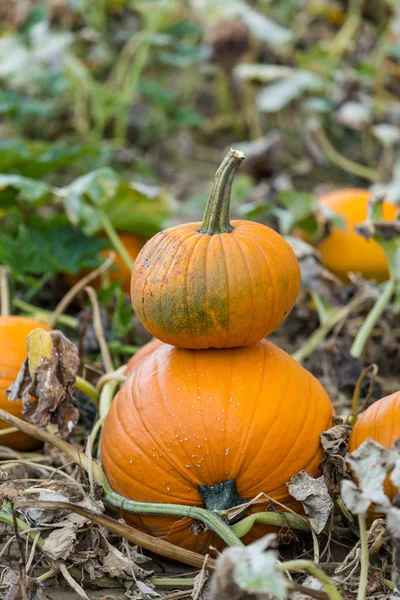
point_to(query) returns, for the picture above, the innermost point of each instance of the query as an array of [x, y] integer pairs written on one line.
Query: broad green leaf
[[30, 189], [138, 208]]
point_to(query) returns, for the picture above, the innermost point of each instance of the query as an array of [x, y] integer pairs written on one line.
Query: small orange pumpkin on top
[[215, 284]]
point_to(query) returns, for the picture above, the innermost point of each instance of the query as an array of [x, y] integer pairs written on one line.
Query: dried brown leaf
[[334, 442], [314, 496], [46, 380], [60, 542]]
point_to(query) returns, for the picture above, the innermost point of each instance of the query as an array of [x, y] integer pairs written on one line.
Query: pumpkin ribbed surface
[[13, 332], [189, 418], [194, 290], [140, 355], [380, 422], [344, 252]]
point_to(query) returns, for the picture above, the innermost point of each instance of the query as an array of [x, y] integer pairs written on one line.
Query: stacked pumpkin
[[212, 413]]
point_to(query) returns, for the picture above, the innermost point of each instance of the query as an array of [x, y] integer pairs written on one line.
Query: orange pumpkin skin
[[139, 357], [13, 332], [187, 418], [344, 252], [380, 422], [215, 284], [194, 290], [119, 270]]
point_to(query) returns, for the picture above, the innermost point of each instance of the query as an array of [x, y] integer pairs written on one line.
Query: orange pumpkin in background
[[344, 252], [119, 270], [191, 424], [215, 284], [13, 352], [141, 354], [380, 422]]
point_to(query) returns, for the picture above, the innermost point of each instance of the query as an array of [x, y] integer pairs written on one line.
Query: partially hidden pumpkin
[[215, 284], [141, 354], [344, 252], [13, 352], [380, 422], [119, 270], [212, 427]]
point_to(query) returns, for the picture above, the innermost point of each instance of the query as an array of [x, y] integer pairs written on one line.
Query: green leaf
[[85, 193], [122, 318], [48, 247], [138, 208], [300, 204], [30, 189]]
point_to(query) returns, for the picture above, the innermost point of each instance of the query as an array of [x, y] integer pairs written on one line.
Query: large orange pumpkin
[[13, 352], [187, 420], [215, 284], [380, 422], [344, 252], [119, 270], [143, 353]]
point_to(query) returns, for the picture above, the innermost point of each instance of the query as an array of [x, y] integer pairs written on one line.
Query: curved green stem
[[108, 392], [44, 315], [213, 522], [216, 214], [370, 322], [114, 238], [362, 585], [275, 519], [88, 389], [6, 517], [335, 317], [338, 159], [312, 569]]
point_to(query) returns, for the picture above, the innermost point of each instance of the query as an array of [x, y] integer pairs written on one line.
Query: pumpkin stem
[[220, 496], [216, 215]]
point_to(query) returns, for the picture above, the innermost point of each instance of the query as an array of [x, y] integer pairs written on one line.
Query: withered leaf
[[314, 496], [46, 380], [313, 275], [335, 439], [117, 565], [387, 230], [60, 542], [334, 442], [29, 591], [369, 464]]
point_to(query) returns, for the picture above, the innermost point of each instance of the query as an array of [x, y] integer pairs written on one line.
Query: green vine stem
[[108, 391], [335, 317], [88, 389], [270, 518], [355, 404], [362, 585], [114, 238], [365, 330], [338, 159], [212, 521], [216, 214], [4, 292], [312, 569], [6, 517], [70, 295], [44, 315]]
